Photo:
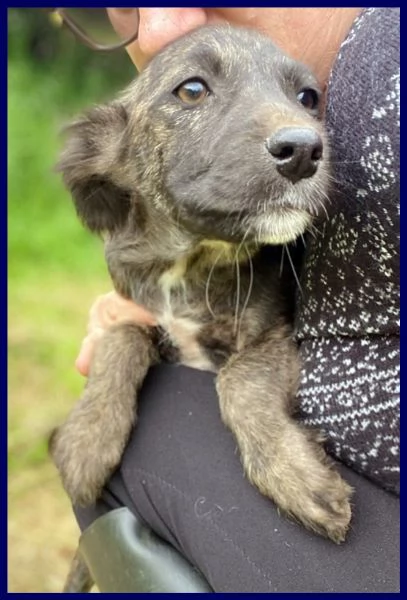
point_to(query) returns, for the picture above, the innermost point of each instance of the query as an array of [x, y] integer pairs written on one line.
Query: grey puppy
[[215, 151]]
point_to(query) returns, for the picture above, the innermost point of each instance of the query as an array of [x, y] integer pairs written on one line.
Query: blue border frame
[[3, 237], [4, 416]]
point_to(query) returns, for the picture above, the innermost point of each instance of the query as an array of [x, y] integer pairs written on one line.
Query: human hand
[[107, 310], [311, 35]]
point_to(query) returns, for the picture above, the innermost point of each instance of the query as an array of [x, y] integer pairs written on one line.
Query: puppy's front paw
[[328, 510], [321, 501], [84, 463], [300, 479]]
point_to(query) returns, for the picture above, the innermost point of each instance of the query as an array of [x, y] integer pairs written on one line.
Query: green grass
[[54, 264], [44, 232], [56, 269]]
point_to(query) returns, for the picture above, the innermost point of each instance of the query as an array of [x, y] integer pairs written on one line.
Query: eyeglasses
[[92, 27]]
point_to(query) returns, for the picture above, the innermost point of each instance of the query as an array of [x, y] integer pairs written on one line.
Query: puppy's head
[[220, 133]]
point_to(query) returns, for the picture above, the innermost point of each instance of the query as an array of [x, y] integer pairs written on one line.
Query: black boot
[[120, 554]]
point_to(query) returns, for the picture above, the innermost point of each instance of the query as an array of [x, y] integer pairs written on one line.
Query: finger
[[125, 21], [86, 351], [97, 312], [84, 357], [127, 310], [157, 28], [112, 308]]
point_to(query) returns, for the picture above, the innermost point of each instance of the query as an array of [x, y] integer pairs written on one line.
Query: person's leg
[[181, 474]]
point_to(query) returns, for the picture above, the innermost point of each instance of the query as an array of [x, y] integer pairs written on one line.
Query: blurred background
[[56, 269]]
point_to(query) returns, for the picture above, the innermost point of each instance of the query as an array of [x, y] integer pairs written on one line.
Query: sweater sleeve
[[348, 318]]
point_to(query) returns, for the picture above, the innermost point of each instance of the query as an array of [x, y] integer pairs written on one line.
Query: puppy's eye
[[192, 92], [308, 98]]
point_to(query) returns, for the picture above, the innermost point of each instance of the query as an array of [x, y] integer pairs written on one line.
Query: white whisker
[[207, 301], [249, 292], [282, 260], [294, 271], [237, 293], [238, 281]]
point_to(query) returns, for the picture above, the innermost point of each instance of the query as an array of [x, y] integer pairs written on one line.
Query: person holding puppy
[[180, 474]]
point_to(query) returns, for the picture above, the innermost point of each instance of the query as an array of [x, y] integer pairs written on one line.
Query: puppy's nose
[[296, 151]]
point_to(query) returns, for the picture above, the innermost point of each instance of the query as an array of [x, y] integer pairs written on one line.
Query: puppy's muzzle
[[296, 151]]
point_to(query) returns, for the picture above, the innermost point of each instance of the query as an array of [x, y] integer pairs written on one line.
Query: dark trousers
[[181, 474]]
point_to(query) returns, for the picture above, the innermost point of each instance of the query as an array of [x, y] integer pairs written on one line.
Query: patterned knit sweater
[[348, 317]]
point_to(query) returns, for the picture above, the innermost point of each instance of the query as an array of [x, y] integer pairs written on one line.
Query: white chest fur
[[182, 331]]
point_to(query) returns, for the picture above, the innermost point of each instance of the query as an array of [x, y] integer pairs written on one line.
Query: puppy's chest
[[200, 326], [179, 341], [188, 332], [180, 324]]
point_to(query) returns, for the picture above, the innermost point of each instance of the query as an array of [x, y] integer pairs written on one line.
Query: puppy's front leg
[[88, 446], [283, 459]]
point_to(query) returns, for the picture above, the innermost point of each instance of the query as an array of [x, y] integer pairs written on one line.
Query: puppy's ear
[[90, 165]]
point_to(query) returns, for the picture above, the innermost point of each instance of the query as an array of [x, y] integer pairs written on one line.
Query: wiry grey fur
[[186, 197]]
